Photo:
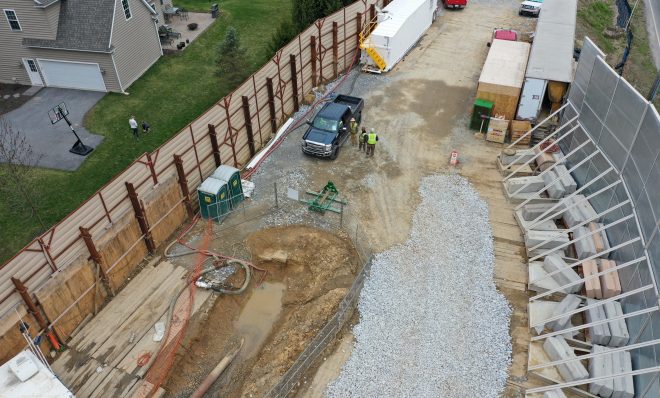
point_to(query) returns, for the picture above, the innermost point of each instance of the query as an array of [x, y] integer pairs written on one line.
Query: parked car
[[454, 3], [329, 129], [531, 8]]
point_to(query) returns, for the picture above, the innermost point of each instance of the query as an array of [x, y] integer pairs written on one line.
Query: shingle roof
[[44, 3], [84, 25]]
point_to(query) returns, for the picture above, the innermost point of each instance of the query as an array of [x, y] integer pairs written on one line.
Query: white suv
[[532, 8]]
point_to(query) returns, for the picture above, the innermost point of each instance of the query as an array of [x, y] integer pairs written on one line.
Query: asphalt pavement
[[51, 143]]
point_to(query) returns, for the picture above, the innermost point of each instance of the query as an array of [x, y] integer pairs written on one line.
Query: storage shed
[[550, 68], [502, 76], [399, 26]]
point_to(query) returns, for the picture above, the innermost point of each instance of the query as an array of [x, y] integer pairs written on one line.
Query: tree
[[232, 58], [305, 12], [17, 183]]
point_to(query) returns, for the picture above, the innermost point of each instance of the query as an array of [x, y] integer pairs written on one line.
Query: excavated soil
[[309, 272]]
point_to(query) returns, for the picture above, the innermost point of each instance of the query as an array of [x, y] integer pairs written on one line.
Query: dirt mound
[[315, 261], [314, 268]]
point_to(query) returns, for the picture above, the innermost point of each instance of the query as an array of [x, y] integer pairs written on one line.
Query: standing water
[[259, 315]]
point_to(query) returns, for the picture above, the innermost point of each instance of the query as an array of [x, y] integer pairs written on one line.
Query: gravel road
[[432, 323]]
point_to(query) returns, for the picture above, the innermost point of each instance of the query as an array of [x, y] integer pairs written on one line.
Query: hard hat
[[372, 130], [352, 119]]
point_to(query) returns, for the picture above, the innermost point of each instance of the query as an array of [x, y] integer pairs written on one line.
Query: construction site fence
[[138, 209], [325, 336]]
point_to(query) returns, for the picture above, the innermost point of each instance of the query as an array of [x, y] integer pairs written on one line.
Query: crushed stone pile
[[432, 323]]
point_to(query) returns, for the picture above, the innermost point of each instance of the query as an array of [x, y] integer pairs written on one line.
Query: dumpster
[[213, 197], [233, 178], [480, 115]]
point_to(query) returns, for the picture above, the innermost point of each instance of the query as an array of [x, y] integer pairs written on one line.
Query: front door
[[33, 72]]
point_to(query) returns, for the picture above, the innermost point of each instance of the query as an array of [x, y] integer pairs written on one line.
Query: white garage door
[[83, 76]]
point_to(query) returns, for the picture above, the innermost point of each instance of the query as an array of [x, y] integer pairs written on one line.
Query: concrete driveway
[[52, 142]]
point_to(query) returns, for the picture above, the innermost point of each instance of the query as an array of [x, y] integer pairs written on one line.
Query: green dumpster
[[481, 115], [213, 197], [233, 178]]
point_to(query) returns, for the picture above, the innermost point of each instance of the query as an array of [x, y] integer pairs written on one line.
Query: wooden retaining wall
[[137, 211]]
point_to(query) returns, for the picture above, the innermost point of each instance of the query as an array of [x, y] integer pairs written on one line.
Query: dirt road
[[420, 111]]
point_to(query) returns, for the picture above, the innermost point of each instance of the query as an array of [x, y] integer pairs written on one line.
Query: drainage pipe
[[216, 372]]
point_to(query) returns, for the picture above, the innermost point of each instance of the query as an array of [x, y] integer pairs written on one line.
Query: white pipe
[[577, 226], [593, 379], [596, 323], [586, 199], [570, 242], [586, 259], [596, 304], [607, 271], [595, 354], [543, 150], [538, 125]]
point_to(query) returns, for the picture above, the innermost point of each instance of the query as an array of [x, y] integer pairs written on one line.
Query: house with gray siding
[[100, 45]]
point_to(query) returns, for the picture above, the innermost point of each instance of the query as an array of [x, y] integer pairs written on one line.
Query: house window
[[13, 20], [127, 9], [32, 65]]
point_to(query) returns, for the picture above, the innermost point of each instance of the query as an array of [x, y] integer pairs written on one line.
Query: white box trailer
[[399, 26], [550, 67]]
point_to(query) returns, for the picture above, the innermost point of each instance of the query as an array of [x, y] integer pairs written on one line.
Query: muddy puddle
[[258, 316]]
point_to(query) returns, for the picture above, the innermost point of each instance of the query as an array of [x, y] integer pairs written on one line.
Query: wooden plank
[[117, 345], [125, 303], [116, 384], [146, 343]]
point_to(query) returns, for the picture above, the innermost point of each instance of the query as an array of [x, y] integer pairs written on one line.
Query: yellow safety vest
[[371, 139], [354, 128]]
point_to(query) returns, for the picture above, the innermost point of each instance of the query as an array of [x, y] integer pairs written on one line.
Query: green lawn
[[205, 5], [172, 93]]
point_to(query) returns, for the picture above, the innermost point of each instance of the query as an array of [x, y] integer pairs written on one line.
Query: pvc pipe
[[595, 354], [579, 225], [539, 125], [216, 372], [570, 242], [653, 369], [586, 307], [607, 271], [595, 323]]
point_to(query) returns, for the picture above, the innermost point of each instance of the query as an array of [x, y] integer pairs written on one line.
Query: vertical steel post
[[271, 105], [96, 257], [141, 217], [314, 60], [275, 188], [214, 144], [335, 49], [183, 183], [248, 125], [294, 82]]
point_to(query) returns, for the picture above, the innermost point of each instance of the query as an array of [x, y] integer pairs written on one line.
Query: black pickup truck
[[329, 129]]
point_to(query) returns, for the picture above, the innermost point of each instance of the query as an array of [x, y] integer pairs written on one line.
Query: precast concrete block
[[554, 189], [569, 303], [554, 394], [591, 285], [530, 184], [618, 328], [525, 156], [532, 211], [566, 275], [609, 282], [567, 179], [584, 245], [557, 349], [600, 365], [545, 239], [600, 334]]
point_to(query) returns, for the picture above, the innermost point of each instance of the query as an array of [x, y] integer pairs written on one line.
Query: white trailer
[[551, 59], [397, 28]]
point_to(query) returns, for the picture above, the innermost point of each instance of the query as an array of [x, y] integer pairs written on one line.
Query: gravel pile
[[432, 323]]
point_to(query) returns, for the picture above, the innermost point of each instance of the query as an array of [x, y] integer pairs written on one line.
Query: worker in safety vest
[[353, 128], [363, 140], [372, 138]]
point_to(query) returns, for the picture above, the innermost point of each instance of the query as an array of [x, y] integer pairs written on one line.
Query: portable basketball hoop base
[[81, 149], [60, 112]]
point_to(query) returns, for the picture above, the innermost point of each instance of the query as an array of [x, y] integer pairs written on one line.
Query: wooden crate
[[518, 129], [497, 130]]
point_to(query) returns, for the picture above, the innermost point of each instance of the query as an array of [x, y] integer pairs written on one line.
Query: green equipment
[[213, 197], [481, 114], [323, 200]]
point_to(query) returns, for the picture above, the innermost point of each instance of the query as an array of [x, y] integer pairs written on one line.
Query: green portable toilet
[[233, 178], [213, 197], [481, 108]]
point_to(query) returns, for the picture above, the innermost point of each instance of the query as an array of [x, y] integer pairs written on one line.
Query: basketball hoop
[[58, 113]]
